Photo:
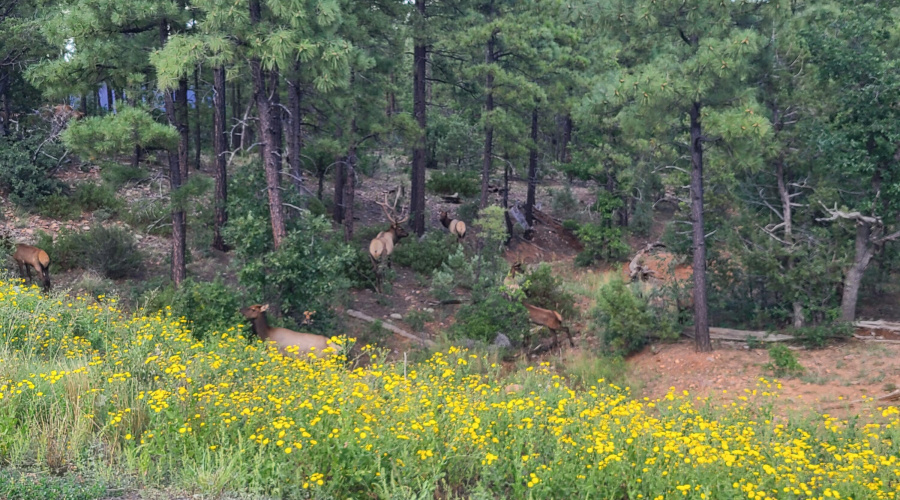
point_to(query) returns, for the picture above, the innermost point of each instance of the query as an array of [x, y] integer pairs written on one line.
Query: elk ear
[[264, 308]]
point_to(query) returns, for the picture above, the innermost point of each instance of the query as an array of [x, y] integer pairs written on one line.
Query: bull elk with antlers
[[382, 245]]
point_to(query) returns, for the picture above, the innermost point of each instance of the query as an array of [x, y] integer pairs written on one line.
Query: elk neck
[[445, 220], [261, 326]]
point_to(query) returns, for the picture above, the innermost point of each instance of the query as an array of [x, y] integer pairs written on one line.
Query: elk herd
[[28, 257]]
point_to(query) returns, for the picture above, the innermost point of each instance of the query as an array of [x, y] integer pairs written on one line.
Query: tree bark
[[179, 231], [701, 309], [488, 127], [4, 96], [339, 170], [220, 141], [417, 185], [865, 250], [787, 219], [349, 193], [275, 115], [532, 169], [109, 98], [271, 160], [566, 155], [295, 137], [181, 107], [197, 117], [235, 115], [506, 217]]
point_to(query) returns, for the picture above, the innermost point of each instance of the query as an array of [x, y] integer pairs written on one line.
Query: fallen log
[[451, 198], [878, 325], [716, 333], [387, 326]]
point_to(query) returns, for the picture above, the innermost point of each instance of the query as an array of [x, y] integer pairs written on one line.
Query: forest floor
[[839, 373]]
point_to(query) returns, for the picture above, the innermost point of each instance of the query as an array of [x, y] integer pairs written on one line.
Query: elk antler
[[390, 211]]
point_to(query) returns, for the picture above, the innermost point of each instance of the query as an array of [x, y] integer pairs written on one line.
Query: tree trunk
[[220, 140], [565, 154], [109, 98], [787, 216], [339, 189], [183, 128], [179, 230], [853, 278], [417, 186], [701, 309], [271, 160], [82, 103], [235, 116], [349, 193], [4, 96], [197, 118], [506, 217], [295, 137], [532, 169], [275, 115], [391, 97], [488, 127]]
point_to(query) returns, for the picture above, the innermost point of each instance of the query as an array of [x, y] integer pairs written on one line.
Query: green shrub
[[307, 273], [564, 201], [817, 337], [468, 212], [42, 486], [111, 252], [59, 206], [448, 182], [91, 196], [491, 313], [117, 175], [28, 181], [601, 242], [209, 306], [783, 362], [457, 271], [571, 225], [149, 216], [417, 319], [625, 319], [426, 255], [543, 289]]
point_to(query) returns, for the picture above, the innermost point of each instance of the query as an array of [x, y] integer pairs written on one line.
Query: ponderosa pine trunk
[[269, 139], [179, 231], [220, 141], [488, 127], [197, 117], [277, 127], [295, 137], [339, 172], [417, 185], [701, 310], [235, 116], [4, 110], [182, 125], [532, 170], [109, 98]]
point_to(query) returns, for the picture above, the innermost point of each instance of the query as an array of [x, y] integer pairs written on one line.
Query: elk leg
[[21, 269], [569, 335], [28, 272]]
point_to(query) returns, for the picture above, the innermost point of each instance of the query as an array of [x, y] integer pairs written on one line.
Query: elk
[[551, 319], [456, 227], [284, 338], [26, 257], [382, 245]]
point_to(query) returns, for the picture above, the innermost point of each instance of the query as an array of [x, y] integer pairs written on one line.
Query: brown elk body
[[382, 245], [456, 227], [27, 256], [551, 319], [284, 338]]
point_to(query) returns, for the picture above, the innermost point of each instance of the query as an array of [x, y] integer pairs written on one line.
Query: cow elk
[[382, 246], [284, 338], [456, 227], [26, 257], [550, 319]]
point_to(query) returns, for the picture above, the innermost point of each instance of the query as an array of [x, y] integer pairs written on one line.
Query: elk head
[[397, 221]]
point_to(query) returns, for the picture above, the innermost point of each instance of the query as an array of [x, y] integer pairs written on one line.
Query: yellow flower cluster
[[170, 402]]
